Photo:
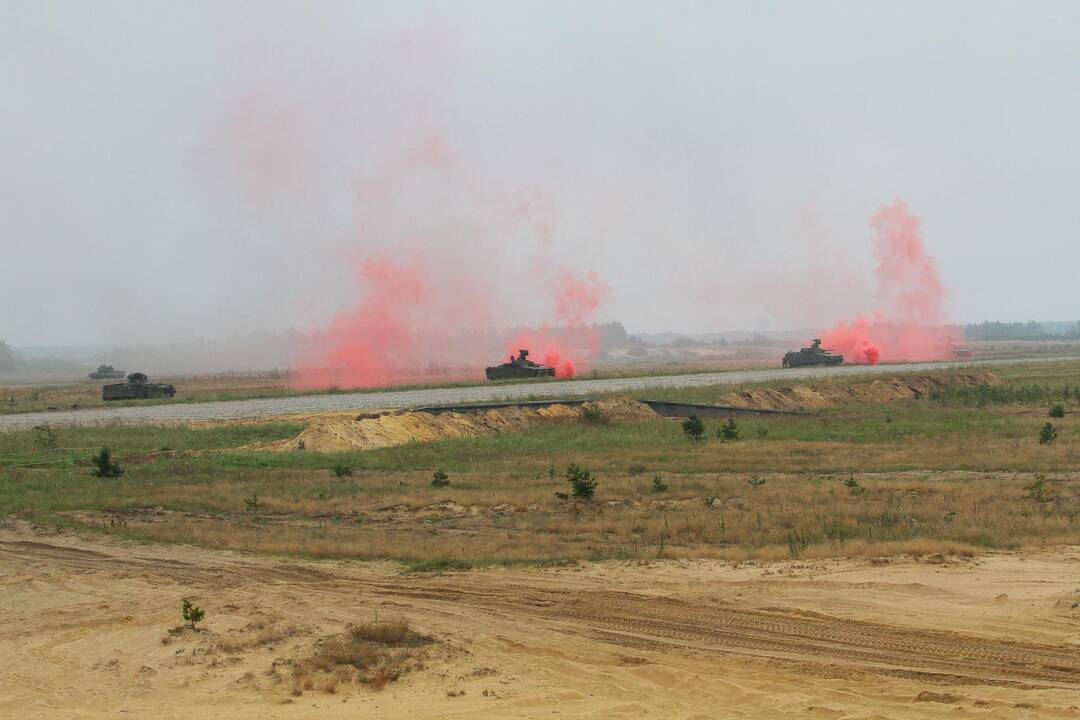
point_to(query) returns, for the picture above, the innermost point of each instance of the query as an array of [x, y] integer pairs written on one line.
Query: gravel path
[[266, 407]]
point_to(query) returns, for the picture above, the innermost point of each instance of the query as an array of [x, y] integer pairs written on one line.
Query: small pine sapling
[[582, 483], [105, 466], [693, 427], [191, 613], [729, 431]]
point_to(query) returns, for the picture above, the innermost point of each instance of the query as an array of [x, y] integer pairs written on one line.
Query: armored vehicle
[[812, 355], [105, 372], [137, 387], [957, 352], [519, 367]]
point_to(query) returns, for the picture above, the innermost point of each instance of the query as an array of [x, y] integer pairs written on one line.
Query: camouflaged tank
[[519, 367], [105, 372], [812, 355], [137, 387]]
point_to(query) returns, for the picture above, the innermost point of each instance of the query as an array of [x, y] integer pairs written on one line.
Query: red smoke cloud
[[432, 317], [373, 343], [543, 346], [909, 324], [405, 323], [574, 344], [578, 297]]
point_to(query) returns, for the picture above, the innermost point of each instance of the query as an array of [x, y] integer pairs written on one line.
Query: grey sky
[[197, 165]]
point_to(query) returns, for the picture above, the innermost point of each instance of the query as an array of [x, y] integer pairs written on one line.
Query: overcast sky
[[170, 170]]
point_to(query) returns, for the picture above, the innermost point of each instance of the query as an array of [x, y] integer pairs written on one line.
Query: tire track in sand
[[634, 620]]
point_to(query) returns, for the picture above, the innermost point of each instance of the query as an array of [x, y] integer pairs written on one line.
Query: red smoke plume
[[909, 322], [405, 322], [433, 316], [373, 343], [578, 297], [574, 344]]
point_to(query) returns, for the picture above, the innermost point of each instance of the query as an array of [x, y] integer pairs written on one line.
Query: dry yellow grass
[[704, 516], [370, 653]]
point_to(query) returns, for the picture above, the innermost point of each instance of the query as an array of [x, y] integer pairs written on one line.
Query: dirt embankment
[[336, 433], [829, 394]]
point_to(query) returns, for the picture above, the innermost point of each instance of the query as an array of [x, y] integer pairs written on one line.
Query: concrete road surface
[[265, 407]]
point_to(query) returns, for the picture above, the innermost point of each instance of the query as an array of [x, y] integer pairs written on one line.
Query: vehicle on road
[[137, 387], [519, 367], [813, 355], [106, 372]]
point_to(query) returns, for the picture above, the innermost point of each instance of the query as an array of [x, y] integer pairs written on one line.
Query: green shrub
[[1038, 491], [729, 431], [105, 466], [191, 613], [440, 479], [591, 413], [796, 542], [658, 484], [693, 427], [1057, 410], [45, 436], [1047, 435], [581, 481], [342, 470]]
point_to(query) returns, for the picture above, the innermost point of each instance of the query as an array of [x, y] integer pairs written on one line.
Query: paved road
[[265, 407]]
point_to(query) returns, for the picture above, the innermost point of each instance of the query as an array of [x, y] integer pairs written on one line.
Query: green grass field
[[952, 472]]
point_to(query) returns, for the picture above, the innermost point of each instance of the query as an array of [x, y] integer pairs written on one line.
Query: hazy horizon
[[199, 170]]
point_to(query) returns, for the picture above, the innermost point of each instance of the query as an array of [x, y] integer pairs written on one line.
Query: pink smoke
[[909, 323], [409, 321], [436, 314], [574, 345], [544, 346], [404, 321], [578, 297], [374, 342], [853, 342]]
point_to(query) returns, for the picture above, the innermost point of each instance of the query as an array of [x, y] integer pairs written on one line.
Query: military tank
[[137, 387], [958, 352], [106, 372], [519, 367], [813, 355]]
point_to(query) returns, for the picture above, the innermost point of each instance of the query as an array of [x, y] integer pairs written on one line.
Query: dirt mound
[[367, 432], [623, 409], [829, 394]]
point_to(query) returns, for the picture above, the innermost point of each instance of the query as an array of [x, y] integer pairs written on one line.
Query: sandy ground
[[85, 633]]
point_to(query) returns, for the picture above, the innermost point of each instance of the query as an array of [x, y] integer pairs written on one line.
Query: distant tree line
[[8, 360], [1030, 330], [612, 335]]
